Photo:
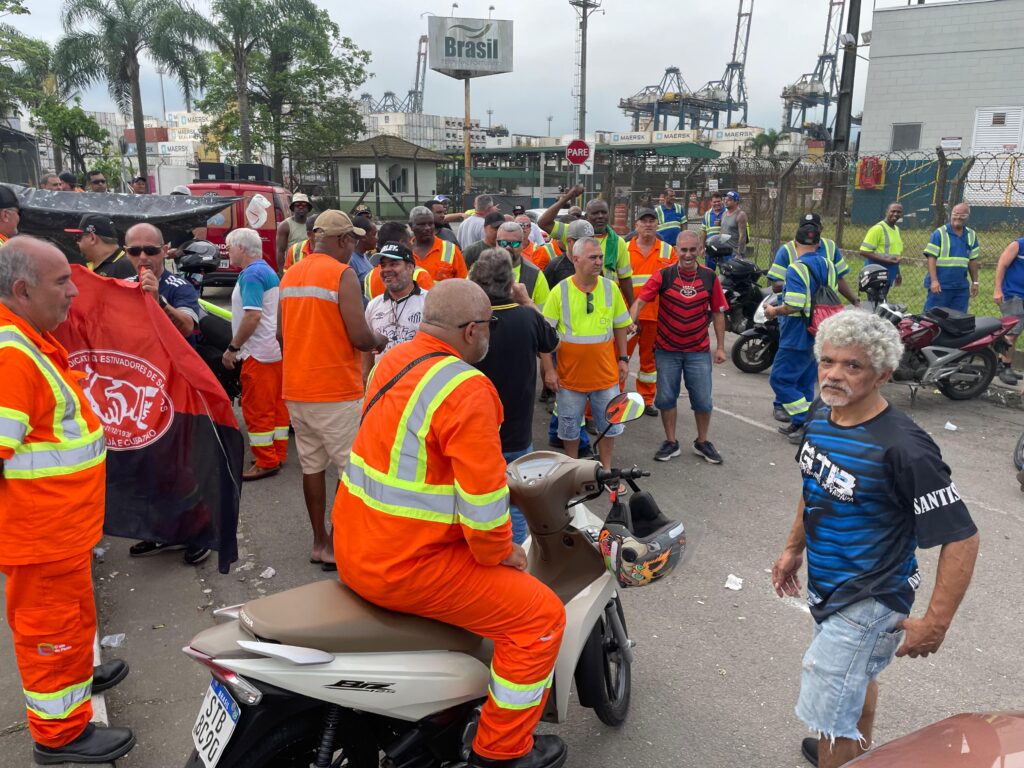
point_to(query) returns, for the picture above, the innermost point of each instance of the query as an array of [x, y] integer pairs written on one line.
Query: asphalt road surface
[[717, 671]]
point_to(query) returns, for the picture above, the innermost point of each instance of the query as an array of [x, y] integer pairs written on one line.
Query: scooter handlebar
[[608, 475]]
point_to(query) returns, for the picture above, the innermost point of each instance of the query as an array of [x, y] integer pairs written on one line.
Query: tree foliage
[[73, 133], [769, 140], [299, 83]]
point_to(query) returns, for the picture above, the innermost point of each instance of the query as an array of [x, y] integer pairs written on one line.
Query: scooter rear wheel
[[603, 674], [753, 354]]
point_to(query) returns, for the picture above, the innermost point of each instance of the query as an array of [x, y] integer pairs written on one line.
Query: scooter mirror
[[629, 406]]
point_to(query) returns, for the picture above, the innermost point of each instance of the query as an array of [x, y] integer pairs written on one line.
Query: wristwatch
[[233, 348], [623, 359]]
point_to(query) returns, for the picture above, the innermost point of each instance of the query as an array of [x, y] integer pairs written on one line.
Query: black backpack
[[669, 275]]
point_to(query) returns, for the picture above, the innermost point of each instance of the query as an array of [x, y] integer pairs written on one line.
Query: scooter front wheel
[[603, 673]]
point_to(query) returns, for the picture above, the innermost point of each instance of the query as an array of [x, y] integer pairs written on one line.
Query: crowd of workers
[[407, 356]]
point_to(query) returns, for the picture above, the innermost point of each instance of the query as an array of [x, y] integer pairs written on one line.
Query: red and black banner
[[174, 448]]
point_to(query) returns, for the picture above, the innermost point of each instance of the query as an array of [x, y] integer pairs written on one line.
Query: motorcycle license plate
[[224, 263], [215, 724]]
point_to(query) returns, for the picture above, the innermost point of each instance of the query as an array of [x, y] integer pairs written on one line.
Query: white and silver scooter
[[317, 676]]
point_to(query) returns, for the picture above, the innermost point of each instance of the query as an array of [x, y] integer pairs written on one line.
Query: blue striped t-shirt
[[873, 494]]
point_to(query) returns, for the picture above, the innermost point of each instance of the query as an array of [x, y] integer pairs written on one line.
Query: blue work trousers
[[794, 374], [957, 300]]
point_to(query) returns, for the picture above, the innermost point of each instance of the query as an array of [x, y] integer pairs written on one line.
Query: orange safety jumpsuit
[[443, 260], [52, 497], [421, 525], [297, 252], [645, 264], [373, 285]]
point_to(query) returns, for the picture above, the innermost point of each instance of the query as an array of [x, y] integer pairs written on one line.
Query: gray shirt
[[731, 227], [470, 231]]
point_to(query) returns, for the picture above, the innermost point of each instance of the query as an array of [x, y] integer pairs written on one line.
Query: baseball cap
[[336, 222], [494, 219], [579, 229], [181, 189], [518, 209], [440, 199], [361, 210], [733, 195], [394, 250], [8, 199], [643, 213], [298, 197], [95, 224], [809, 231], [140, 178]]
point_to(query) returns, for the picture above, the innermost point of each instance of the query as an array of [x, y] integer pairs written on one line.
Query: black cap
[[494, 219], [517, 209], [643, 213], [810, 219], [8, 199], [809, 230], [95, 224], [395, 250]]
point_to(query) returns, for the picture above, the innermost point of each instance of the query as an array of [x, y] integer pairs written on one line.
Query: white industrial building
[[946, 74], [437, 132]]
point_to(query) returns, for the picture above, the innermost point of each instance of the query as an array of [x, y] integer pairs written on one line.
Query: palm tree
[[769, 140], [238, 29], [105, 40]]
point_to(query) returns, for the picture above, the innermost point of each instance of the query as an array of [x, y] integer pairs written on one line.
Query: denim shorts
[[848, 651], [571, 405], [693, 368], [1013, 306]]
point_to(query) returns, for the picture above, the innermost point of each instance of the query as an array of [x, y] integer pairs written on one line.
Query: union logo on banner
[[128, 393]]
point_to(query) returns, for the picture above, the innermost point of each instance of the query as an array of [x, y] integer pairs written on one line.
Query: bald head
[[458, 313], [143, 234], [35, 282], [959, 215], [145, 247]]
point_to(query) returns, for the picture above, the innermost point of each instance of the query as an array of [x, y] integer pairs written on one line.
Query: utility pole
[[844, 107], [583, 9], [550, 118], [489, 113]]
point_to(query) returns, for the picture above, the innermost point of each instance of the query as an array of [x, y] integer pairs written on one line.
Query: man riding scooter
[[427, 475]]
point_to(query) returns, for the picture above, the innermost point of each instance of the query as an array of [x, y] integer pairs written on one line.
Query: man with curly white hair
[[875, 489]]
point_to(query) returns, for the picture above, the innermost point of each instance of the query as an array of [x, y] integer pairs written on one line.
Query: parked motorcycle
[[196, 259], [318, 676], [741, 285], [754, 351], [954, 351]]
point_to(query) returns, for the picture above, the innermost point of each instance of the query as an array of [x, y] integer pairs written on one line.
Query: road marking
[[990, 508], [747, 420]]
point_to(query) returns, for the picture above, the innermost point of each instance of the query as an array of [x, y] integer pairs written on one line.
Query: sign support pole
[[467, 180]]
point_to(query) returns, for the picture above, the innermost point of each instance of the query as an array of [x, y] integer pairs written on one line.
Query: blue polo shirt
[[952, 254], [669, 222], [787, 251], [1013, 278]]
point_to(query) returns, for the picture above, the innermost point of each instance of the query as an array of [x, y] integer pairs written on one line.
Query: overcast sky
[[628, 49]]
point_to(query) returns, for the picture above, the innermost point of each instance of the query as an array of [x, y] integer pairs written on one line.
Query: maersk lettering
[[470, 50]]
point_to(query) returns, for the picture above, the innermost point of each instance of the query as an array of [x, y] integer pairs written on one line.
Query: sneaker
[[797, 437], [809, 749], [669, 450], [650, 410], [779, 414], [707, 451], [195, 555], [147, 548], [790, 428]]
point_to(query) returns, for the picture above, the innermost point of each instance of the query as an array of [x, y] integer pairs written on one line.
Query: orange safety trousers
[[647, 378], [264, 411], [52, 615], [521, 615]]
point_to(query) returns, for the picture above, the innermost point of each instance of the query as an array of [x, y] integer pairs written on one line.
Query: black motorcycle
[[196, 259], [741, 283], [754, 351]]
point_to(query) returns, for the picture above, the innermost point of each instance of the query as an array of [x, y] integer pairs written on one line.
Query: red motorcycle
[[954, 351]]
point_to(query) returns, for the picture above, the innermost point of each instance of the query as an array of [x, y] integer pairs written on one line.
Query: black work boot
[[548, 752], [95, 745], [809, 749], [106, 676]]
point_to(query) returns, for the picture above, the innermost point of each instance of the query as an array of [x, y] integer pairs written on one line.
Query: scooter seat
[[983, 326], [329, 616]]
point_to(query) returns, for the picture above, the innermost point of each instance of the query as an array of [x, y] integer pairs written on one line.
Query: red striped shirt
[[684, 311]]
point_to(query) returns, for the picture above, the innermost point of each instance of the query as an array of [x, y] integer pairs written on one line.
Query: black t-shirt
[[558, 269], [116, 265], [873, 493], [511, 365]]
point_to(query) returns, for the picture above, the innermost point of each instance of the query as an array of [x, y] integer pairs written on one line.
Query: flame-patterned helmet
[[639, 544]]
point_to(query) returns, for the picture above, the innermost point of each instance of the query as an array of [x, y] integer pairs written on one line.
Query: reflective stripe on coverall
[[421, 525], [264, 411]]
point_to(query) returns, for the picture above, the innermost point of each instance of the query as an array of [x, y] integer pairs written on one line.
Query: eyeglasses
[[510, 243], [492, 320], [138, 250], [590, 303]]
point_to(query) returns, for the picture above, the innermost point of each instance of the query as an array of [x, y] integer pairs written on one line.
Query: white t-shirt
[[397, 321], [257, 288]]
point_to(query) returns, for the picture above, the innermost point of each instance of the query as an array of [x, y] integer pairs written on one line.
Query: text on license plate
[[224, 263], [215, 724]]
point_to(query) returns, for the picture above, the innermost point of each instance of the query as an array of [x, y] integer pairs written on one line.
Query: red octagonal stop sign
[[577, 152]]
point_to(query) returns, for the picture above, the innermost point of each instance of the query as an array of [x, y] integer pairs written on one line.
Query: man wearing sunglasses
[[513, 240], [97, 242], [147, 251], [96, 181]]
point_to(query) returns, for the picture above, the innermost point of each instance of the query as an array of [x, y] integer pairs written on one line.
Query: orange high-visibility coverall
[[658, 256], [266, 415], [421, 525], [52, 496]]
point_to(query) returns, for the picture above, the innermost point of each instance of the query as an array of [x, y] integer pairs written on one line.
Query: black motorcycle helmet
[[873, 280], [639, 543], [199, 256]]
